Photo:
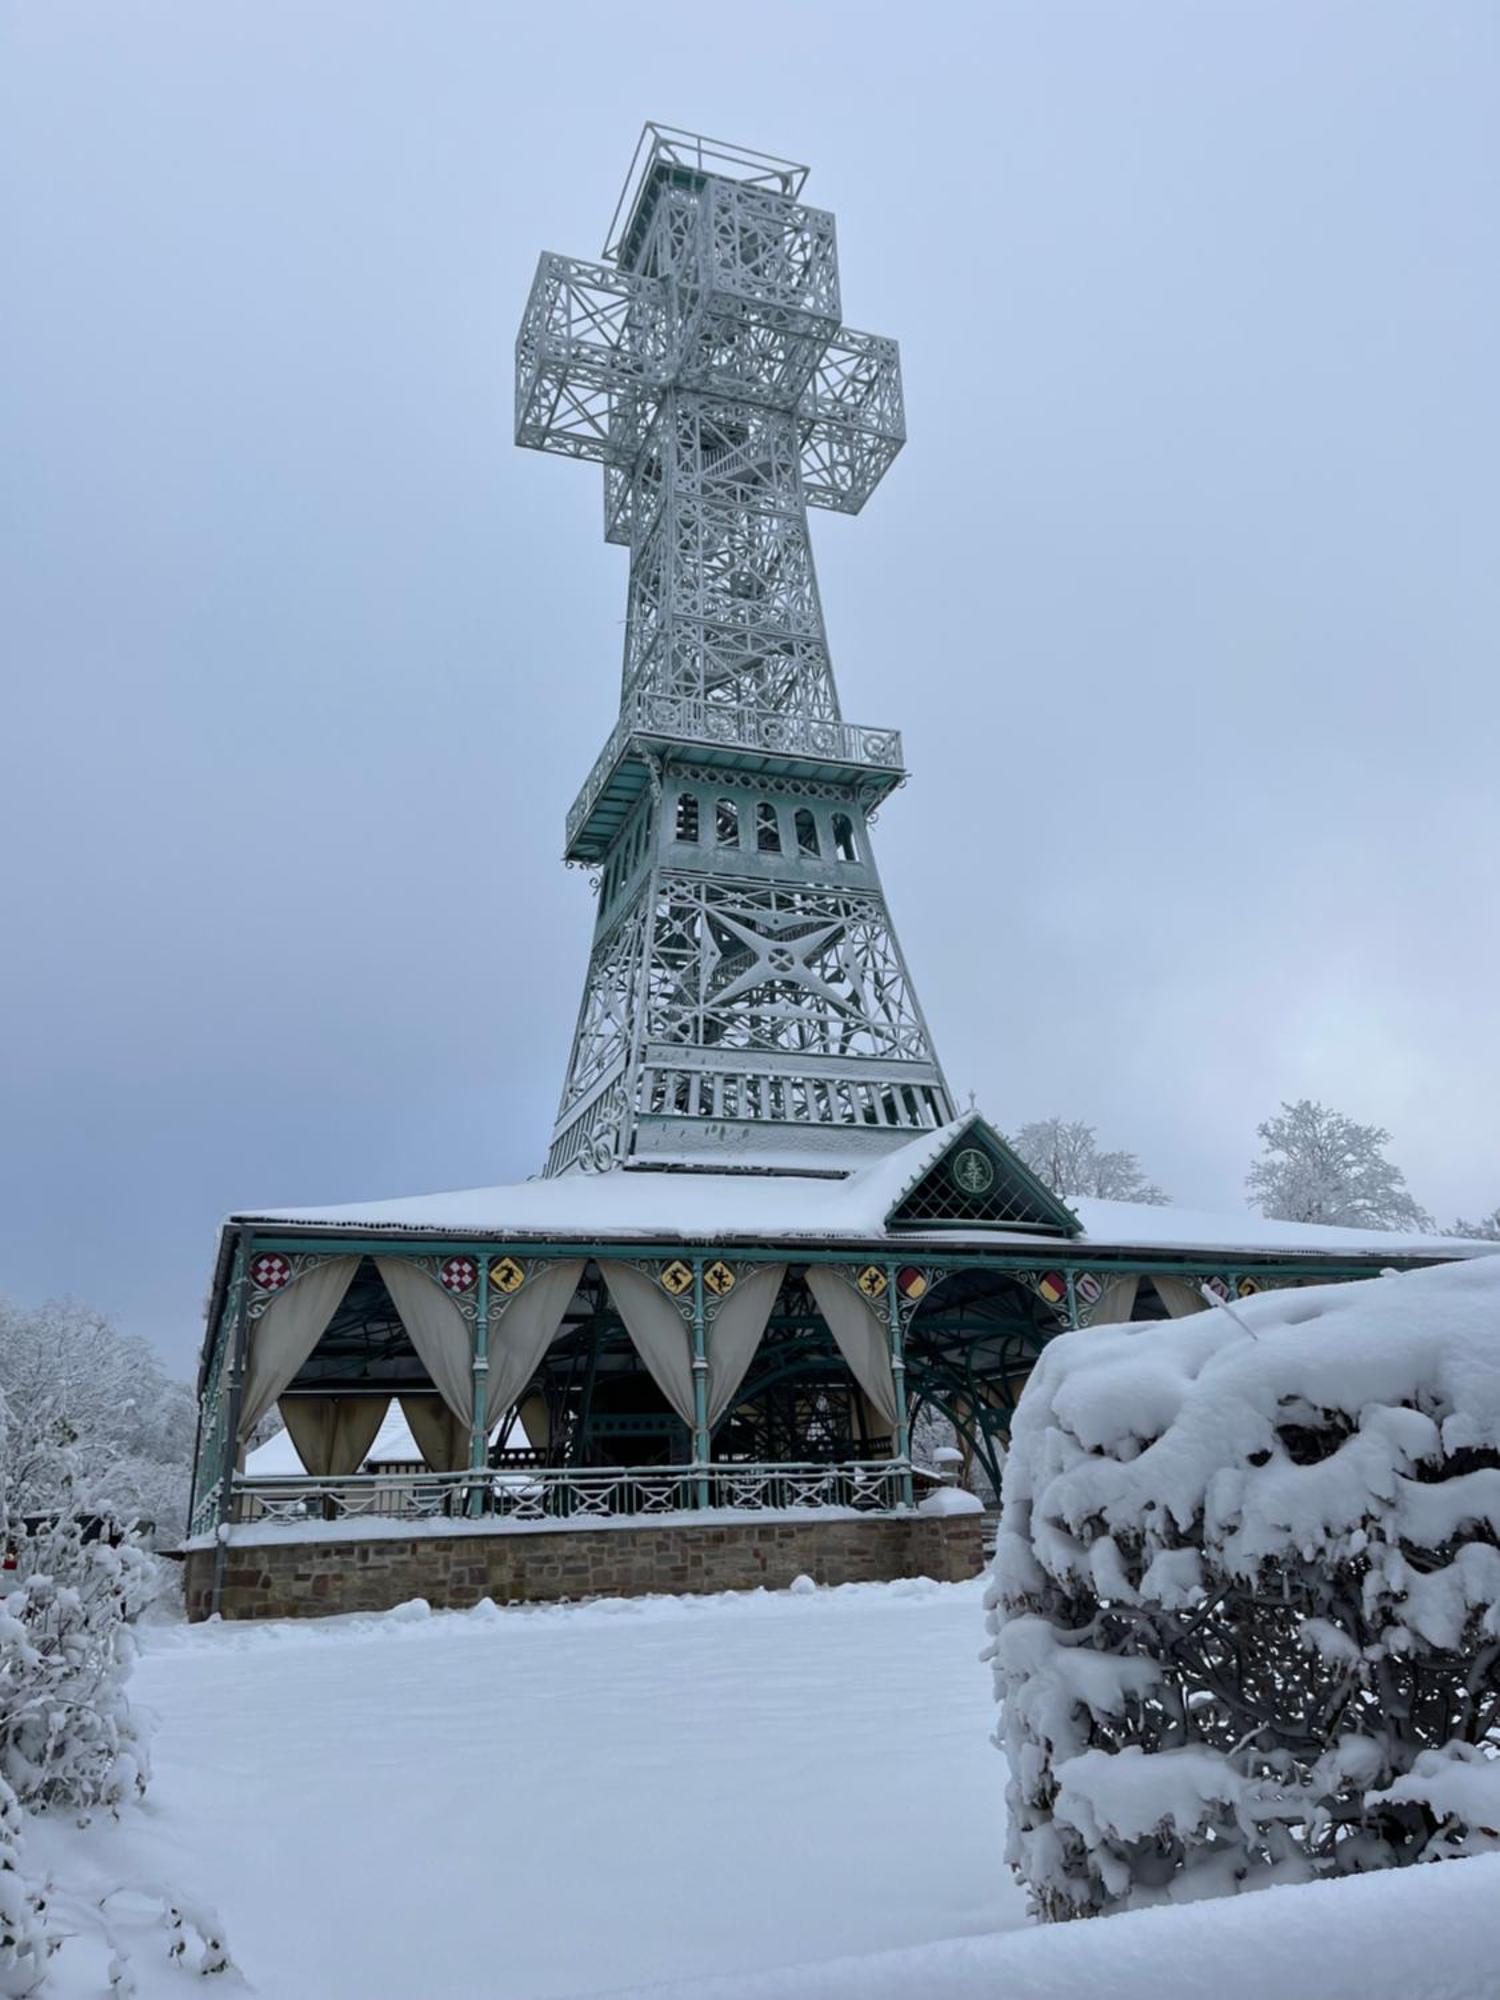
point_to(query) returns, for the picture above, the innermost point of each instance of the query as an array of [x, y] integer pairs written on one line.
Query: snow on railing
[[567, 1495]]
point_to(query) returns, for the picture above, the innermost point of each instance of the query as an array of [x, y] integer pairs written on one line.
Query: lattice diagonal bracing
[[746, 994]]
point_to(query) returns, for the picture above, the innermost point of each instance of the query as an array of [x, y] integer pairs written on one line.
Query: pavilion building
[[766, 1243]]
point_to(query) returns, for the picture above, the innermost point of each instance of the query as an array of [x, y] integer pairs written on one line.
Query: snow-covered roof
[[783, 1207]]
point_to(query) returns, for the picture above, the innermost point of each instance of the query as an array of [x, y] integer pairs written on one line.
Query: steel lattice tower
[[746, 1001]]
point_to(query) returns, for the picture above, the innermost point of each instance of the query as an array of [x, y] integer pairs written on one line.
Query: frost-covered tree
[[66, 1371], [1319, 1166], [1065, 1153], [1246, 1596], [1486, 1229]]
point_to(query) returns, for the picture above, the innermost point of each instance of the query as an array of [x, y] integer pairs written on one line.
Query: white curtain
[[736, 1333], [521, 1330], [865, 1421], [1179, 1297], [287, 1332], [657, 1330], [1115, 1302], [333, 1434], [536, 1421], [862, 1334], [439, 1332], [441, 1437]]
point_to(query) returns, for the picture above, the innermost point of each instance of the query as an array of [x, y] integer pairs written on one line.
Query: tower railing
[[689, 721]]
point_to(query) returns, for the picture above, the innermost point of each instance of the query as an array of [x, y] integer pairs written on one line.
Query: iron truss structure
[[746, 994]]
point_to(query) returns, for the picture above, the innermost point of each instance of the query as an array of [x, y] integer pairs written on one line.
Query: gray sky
[[1183, 592]]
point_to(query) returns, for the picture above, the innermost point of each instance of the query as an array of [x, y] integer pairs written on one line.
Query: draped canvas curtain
[[521, 1330], [1115, 1302], [536, 1421], [287, 1332], [862, 1336], [333, 1434], [440, 1435], [438, 1331], [657, 1333], [736, 1333], [1178, 1296]]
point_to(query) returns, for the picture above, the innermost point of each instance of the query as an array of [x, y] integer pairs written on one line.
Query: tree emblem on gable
[[973, 1171]]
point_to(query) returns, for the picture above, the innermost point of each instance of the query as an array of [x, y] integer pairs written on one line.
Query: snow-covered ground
[[701, 1792], [570, 1800]]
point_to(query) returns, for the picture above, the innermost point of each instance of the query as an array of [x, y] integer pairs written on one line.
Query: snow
[[368, 1528], [951, 1500], [772, 1796], [708, 1207], [1422, 1934], [566, 1800]]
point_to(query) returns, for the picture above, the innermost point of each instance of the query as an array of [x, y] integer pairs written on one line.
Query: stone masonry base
[[315, 1579]]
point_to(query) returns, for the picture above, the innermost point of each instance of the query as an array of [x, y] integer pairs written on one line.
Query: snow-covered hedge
[[1246, 1600]]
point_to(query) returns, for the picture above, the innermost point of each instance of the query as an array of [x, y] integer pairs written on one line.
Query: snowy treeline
[[65, 1372], [1316, 1166], [1066, 1154], [1319, 1166], [1246, 1598]]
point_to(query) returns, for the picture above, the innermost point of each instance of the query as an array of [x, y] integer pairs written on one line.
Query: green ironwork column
[[898, 1378], [1071, 1277], [702, 1444], [234, 1395], [479, 1430]]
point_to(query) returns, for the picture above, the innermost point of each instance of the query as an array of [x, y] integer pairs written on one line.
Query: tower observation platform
[[770, 1288]]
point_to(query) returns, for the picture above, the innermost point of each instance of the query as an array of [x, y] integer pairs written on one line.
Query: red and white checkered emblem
[[459, 1274], [270, 1272]]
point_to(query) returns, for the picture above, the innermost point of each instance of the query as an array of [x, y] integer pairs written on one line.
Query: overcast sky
[[1183, 592]]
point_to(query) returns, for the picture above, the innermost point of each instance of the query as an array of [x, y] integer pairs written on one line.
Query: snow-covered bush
[[1246, 1600], [75, 1577]]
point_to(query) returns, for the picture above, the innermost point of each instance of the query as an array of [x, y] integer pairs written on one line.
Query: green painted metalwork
[[479, 1433], [702, 1444], [898, 1380]]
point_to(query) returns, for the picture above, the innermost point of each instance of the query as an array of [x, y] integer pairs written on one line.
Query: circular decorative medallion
[[270, 1273], [973, 1171], [1053, 1287], [871, 1281], [1218, 1286], [1247, 1288], [676, 1277], [459, 1274], [910, 1282], [719, 1279], [1088, 1287]]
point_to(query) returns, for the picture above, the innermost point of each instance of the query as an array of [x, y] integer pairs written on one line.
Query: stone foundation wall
[[314, 1579]]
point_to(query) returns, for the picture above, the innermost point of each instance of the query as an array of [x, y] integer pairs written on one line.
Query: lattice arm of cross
[[592, 354], [853, 420]]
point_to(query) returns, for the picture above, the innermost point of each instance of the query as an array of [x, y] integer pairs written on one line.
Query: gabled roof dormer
[[976, 1181]]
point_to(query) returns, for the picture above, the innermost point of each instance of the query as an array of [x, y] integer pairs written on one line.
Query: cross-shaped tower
[[747, 1003]]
